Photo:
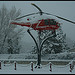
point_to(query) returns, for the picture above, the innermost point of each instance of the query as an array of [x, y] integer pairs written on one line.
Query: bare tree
[[7, 31]]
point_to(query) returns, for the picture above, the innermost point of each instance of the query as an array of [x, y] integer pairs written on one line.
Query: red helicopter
[[42, 24]]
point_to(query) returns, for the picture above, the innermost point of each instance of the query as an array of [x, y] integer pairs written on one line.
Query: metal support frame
[[39, 46]]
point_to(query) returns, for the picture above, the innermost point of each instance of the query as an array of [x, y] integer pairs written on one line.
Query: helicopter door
[[52, 22], [46, 22]]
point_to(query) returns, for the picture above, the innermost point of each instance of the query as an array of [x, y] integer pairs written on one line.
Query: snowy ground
[[26, 69]]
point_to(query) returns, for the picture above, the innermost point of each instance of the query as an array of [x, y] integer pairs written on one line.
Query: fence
[[50, 64]]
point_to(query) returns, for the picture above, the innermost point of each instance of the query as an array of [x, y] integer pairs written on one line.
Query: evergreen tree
[[54, 43]]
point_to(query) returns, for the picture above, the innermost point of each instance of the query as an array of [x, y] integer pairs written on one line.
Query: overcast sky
[[65, 9]]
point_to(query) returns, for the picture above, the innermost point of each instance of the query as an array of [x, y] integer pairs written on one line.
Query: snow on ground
[[26, 69]]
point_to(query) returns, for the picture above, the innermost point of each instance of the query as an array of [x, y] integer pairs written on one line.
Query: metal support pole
[[39, 52], [0, 64], [15, 65], [39, 46], [31, 66], [50, 66]]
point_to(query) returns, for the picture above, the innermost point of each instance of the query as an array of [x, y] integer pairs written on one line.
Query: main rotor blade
[[66, 19], [37, 8], [26, 15], [60, 18]]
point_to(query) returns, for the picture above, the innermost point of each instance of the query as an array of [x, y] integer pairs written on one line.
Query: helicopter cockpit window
[[46, 22], [52, 22]]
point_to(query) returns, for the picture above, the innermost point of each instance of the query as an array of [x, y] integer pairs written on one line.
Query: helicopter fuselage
[[44, 24]]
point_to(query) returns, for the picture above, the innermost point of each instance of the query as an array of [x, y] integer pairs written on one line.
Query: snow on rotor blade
[[37, 8], [59, 17], [65, 19], [26, 15]]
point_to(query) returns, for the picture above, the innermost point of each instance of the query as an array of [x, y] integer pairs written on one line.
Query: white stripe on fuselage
[[40, 26]]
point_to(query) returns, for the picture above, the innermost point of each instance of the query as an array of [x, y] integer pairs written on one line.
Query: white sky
[[65, 9]]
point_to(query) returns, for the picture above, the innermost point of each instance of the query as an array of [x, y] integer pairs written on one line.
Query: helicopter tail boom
[[22, 24]]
